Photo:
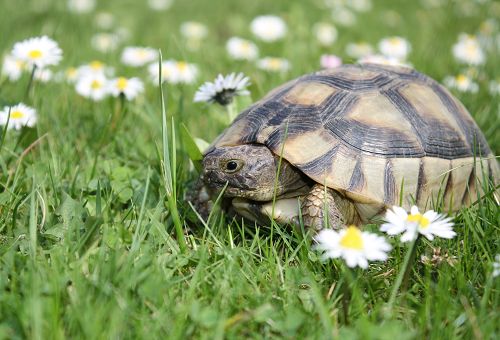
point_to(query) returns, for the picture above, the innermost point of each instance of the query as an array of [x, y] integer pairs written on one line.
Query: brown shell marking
[[370, 132]]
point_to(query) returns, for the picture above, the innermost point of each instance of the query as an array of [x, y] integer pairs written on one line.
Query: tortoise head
[[248, 170]]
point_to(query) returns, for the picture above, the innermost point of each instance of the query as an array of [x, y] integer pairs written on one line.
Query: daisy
[[173, 71], [138, 56], [268, 28], [43, 75], [343, 16], [193, 30], [20, 115], [12, 67], [104, 20], [241, 49], [325, 33], [330, 61], [382, 60], [361, 5], [496, 266], [429, 224], [273, 64], [160, 5], [93, 86], [105, 42], [467, 50], [95, 67], [358, 50], [81, 6], [167, 69], [395, 47], [129, 87], [39, 51], [356, 247], [184, 73], [71, 74], [461, 83], [223, 89]]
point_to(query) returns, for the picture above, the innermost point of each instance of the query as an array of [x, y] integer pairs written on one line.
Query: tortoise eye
[[232, 166]]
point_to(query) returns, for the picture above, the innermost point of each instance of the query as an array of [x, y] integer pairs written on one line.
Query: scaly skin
[[254, 184]]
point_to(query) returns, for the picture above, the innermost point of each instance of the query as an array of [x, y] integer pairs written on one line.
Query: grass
[[88, 215]]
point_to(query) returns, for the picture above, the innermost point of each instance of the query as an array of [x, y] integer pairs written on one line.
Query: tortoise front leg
[[324, 207]]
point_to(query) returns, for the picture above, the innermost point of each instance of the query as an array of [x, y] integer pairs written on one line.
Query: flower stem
[[119, 109], [30, 83], [347, 292], [231, 112], [410, 255]]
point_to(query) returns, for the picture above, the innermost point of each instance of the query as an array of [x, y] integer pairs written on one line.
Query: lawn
[[91, 207]]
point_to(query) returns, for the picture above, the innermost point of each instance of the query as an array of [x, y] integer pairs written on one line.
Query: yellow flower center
[[395, 41], [121, 83], [71, 72], [352, 238], [96, 65], [35, 54], [95, 85], [16, 115], [274, 64], [245, 46], [420, 219], [182, 66]]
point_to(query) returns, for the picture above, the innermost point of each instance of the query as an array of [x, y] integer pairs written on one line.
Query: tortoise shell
[[376, 134]]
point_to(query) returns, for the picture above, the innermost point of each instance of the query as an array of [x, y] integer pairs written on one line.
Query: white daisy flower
[[104, 20], [241, 49], [223, 89], [268, 28], [167, 69], [496, 266], [356, 247], [330, 61], [429, 224], [461, 83], [93, 86], [273, 64], [382, 60], [105, 42], [129, 87], [160, 5], [38, 51], [138, 56], [175, 72], [194, 30], [95, 67], [395, 47], [343, 16], [468, 50], [81, 6], [185, 73], [71, 74], [325, 33], [43, 75], [359, 50], [20, 115], [12, 68], [361, 5]]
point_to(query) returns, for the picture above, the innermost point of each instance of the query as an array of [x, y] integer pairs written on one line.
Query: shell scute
[[370, 132]]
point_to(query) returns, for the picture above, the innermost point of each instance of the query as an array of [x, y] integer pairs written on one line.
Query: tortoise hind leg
[[320, 200]]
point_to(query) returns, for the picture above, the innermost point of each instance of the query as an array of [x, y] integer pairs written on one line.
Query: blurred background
[[198, 32]]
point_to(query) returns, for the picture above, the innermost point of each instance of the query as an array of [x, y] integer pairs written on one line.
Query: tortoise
[[340, 146]]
